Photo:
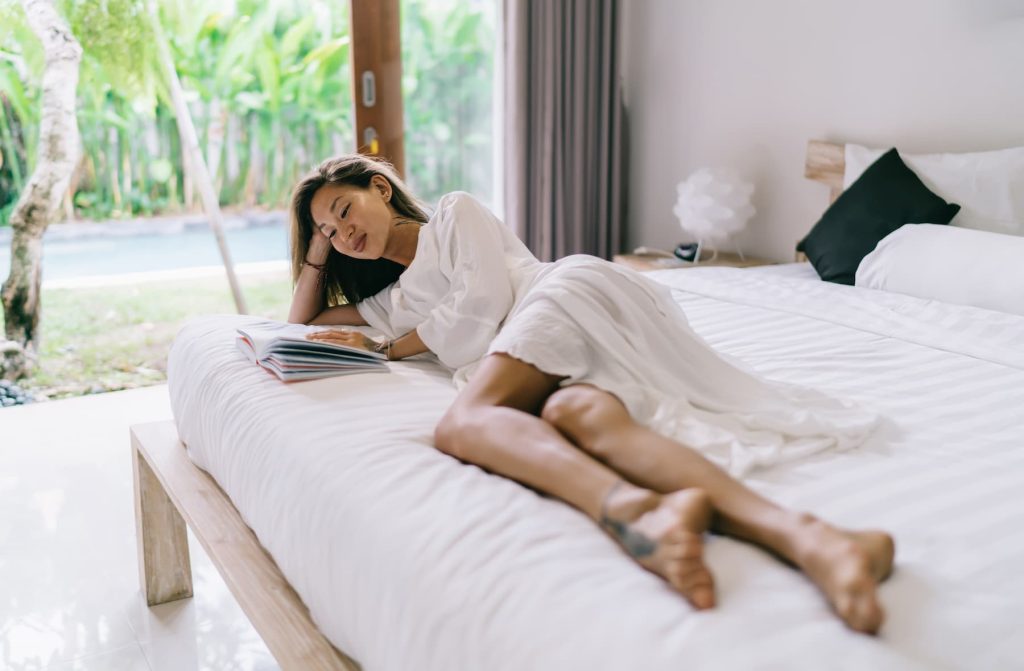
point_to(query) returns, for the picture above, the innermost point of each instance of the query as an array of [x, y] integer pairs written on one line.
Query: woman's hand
[[344, 337], [309, 299], [319, 248]]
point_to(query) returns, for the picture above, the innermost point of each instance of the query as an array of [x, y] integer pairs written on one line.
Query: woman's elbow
[[298, 318]]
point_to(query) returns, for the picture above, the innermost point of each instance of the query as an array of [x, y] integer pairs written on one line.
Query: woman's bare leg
[[493, 423], [846, 566]]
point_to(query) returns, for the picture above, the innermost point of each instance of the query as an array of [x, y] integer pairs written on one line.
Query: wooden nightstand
[[645, 262]]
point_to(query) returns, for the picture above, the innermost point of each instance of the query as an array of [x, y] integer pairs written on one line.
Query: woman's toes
[[847, 567], [868, 614], [693, 581], [860, 616], [671, 531], [857, 605], [703, 597], [687, 546], [697, 588]]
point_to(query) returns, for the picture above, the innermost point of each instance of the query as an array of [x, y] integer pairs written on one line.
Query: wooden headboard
[[826, 163]]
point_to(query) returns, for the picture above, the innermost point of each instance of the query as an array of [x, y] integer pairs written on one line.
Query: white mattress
[[409, 559]]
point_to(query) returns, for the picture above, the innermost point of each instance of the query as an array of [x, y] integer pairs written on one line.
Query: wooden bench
[[170, 492]]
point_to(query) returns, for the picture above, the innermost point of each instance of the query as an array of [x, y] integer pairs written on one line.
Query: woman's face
[[356, 221]]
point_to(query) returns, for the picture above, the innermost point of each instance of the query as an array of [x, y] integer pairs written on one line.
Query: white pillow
[[948, 264], [988, 185]]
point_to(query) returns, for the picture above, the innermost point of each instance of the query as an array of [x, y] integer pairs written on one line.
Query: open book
[[283, 350]]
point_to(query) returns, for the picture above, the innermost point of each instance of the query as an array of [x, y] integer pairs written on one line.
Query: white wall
[[746, 83]]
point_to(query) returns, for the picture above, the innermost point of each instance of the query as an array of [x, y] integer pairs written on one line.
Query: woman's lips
[[362, 243]]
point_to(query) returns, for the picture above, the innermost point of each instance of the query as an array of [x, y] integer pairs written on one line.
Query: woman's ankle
[[625, 502], [801, 536]]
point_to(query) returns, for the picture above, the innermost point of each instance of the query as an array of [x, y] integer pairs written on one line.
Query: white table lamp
[[712, 206]]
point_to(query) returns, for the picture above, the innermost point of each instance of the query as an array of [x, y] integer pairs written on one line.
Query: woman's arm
[[472, 247], [308, 301], [405, 346], [339, 315], [309, 298]]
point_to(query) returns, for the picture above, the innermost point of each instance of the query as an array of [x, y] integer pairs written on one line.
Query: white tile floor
[[69, 580]]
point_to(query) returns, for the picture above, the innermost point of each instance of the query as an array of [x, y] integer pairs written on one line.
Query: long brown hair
[[348, 279]]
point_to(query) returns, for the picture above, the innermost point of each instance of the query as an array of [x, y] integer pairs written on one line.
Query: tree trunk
[[215, 141], [76, 178], [232, 162], [187, 194], [190, 148], [254, 179], [111, 158], [277, 176], [126, 172], [40, 200]]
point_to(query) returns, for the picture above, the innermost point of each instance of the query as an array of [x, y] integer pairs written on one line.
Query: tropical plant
[[270, 87], [447, 73], [37, 204], [20, 68]]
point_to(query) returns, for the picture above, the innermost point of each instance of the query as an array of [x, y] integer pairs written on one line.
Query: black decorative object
[[688, 251], [886, 196]]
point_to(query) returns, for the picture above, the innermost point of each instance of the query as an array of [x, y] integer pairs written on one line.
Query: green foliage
[[115, 337], [447, 73], [20, 65], [270, 93], [5, 212], [118, 52]]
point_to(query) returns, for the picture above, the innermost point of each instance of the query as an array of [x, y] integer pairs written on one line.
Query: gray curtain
[[564, 156]]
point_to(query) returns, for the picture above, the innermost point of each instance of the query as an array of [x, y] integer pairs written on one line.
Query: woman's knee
[[448, 432], [456, 429], [579, 407]]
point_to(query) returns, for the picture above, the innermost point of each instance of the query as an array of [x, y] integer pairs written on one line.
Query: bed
[[349, 540]]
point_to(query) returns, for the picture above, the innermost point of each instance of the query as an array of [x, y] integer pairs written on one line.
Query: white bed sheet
[[800, 270], [409, 559]]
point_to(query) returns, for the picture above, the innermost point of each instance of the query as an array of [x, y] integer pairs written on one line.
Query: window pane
[[447, 83]]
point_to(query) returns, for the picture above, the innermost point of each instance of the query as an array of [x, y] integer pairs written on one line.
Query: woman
[[579, 378]]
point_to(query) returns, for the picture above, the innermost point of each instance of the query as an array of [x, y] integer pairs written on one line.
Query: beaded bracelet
[[386, 345], [319, 266]]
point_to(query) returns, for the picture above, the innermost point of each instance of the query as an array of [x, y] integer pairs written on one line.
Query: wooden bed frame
[[826, 163], [171, 491]]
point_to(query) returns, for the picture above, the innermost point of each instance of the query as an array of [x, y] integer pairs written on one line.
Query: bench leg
[[165, 573]]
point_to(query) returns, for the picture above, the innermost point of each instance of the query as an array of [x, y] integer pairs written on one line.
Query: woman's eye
[[345, 211]]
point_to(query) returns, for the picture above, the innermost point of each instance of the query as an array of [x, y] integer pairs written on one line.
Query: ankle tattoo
[[636, 543]]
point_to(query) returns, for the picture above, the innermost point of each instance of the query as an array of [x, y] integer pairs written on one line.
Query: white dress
[[473, 288]]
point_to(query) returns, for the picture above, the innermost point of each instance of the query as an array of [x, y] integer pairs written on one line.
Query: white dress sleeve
[[376, 310], [471, 251]]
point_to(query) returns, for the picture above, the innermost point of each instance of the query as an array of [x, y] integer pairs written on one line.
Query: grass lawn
[[109, 338]]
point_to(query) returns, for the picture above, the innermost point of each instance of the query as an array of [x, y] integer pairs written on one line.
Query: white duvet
[[409, 559]]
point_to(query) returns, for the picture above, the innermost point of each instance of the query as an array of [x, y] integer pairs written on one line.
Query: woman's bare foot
[[664, 534], [847, 567]]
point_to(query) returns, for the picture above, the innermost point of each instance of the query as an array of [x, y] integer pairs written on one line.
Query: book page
[[263, 336]]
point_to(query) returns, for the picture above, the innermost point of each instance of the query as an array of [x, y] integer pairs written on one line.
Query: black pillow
[[887, 196]]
